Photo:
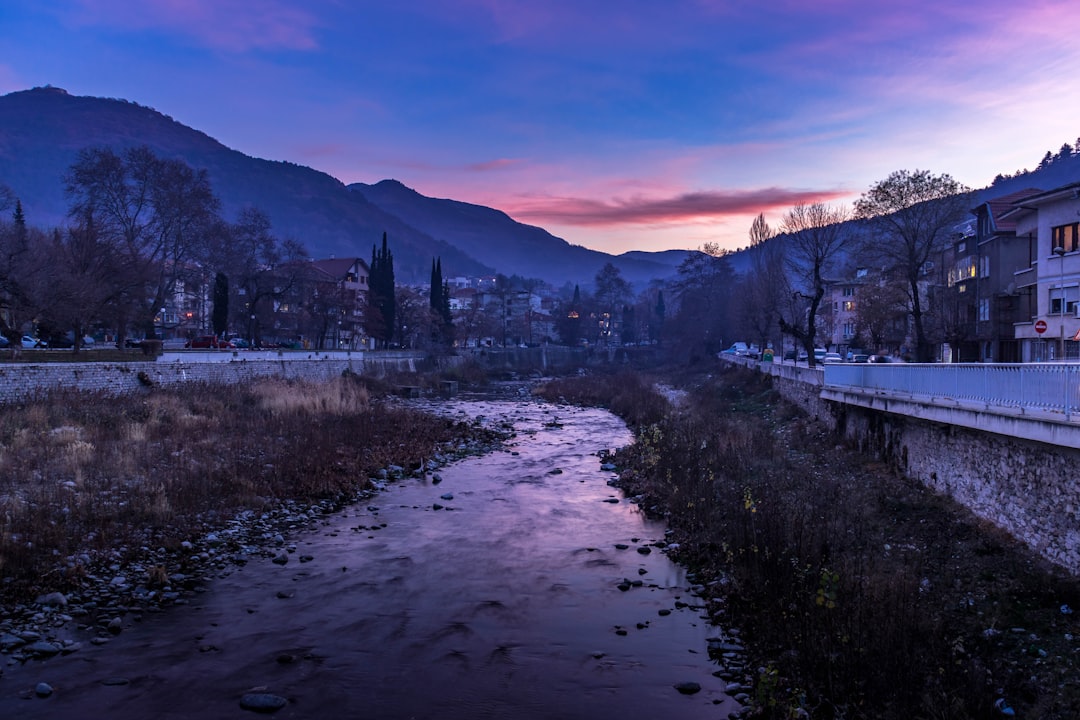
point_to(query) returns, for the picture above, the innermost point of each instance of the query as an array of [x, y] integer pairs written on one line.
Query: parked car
[[860, 358], [885, 359], [4, 342], [819, 355], [205, 342], [790, 354], [739, 349], [29, 342], [59, 342], [832, 358]]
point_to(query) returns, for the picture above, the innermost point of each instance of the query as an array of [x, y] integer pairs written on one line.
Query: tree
[[568, 320], [381, 312], [703, 290], [442, 319], [764, 285], [260, 267], [220, 318], [80, 285], [612, 290], [912, 215], [880, 311], [656, 327], [154, 214], [816, 237]]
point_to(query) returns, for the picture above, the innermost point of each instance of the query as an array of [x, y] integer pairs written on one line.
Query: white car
[[832, 358], [29, 342]]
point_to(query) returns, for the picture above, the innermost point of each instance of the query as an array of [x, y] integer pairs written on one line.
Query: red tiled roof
[[1000, 205]]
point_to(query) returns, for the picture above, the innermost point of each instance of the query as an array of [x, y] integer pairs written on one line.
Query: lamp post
[[1059, 250]]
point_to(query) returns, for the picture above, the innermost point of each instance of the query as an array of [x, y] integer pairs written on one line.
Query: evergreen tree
[[18, 217], [382, 307], [220, 313], [658, 317]]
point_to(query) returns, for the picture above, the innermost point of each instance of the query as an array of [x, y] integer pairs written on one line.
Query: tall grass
[[865, 595], [86, 473]]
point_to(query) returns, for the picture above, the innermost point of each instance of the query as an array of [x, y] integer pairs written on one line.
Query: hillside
[[43, 129], [513, 247]]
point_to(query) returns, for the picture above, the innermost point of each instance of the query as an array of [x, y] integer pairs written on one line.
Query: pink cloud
[[497, 164], [231, 25], [688, 207]]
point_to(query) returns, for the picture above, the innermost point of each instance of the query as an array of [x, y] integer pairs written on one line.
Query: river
[[493, 593]]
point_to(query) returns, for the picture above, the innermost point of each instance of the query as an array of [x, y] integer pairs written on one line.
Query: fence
[[1043, 386]]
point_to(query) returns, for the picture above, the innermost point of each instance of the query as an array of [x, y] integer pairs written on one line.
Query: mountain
[[43, 129], [513, 247]]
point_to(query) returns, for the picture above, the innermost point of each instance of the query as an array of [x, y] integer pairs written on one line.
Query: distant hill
[[512, 247], [43, 129]]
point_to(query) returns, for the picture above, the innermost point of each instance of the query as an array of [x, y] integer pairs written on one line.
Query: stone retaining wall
[[24, 381], [1025, 487]]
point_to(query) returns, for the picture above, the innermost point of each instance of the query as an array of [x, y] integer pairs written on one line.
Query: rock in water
[[688, 688], [263, 702]]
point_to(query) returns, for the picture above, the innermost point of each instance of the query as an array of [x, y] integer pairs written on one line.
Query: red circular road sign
[[1040, 326]]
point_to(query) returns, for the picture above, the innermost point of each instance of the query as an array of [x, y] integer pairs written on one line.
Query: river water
[[503, 603]]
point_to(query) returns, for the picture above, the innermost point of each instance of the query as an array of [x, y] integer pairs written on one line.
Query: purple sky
[[616, 124]]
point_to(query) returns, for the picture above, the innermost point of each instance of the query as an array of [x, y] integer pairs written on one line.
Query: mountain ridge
[[43, 129]]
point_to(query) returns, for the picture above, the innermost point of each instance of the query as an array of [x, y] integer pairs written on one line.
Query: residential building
[[989, 271], [1047, 326]]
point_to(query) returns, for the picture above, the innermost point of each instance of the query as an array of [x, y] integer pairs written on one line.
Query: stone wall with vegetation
[[1024, 487]]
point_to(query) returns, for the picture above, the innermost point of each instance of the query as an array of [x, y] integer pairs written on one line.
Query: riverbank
[[110, 509], [860, 594]]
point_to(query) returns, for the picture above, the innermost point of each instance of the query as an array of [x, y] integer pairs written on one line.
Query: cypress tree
[[381, 289], [220, 313]]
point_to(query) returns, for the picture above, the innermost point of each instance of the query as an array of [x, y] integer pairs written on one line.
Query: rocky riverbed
[[514, 583]]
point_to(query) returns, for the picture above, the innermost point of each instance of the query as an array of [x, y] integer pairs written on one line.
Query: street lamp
[[1059, 250]]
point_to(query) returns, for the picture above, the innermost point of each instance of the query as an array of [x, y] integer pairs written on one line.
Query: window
[[849, 291], [1066, 236], [984, 309], [849, 306], [1072, 295], [849, 330], [984, 267], [963, 270]]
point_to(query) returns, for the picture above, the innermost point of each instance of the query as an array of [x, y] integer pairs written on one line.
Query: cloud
[[497, 164], [231, 25], [687, 207]]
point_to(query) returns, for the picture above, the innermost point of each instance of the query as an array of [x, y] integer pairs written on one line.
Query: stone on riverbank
[[263, 702]]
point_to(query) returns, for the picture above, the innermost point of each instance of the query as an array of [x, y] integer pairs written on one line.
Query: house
[[1045, 325], [989, 267]]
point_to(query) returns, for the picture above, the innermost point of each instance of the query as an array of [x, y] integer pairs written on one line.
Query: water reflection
[[523, 596]]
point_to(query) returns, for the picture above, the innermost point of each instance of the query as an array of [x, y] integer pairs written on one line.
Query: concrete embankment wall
[[25, 381], [1025, 487]]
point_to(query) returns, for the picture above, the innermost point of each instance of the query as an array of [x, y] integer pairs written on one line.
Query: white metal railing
[[1043, 386]]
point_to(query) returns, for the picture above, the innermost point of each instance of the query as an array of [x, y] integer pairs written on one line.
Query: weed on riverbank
[[863, 595], [87, 476]]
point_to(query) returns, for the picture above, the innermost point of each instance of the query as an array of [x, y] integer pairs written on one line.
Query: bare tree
[[703, 291], [260, 267], [880, 308], [816, 238], [912, 215], [764, 284], [154, 213]]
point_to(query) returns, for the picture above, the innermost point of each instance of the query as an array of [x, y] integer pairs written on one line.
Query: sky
[[616, 124]]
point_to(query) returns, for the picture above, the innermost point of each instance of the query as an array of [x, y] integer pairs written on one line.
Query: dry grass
[[865, 595], [84, 474]]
